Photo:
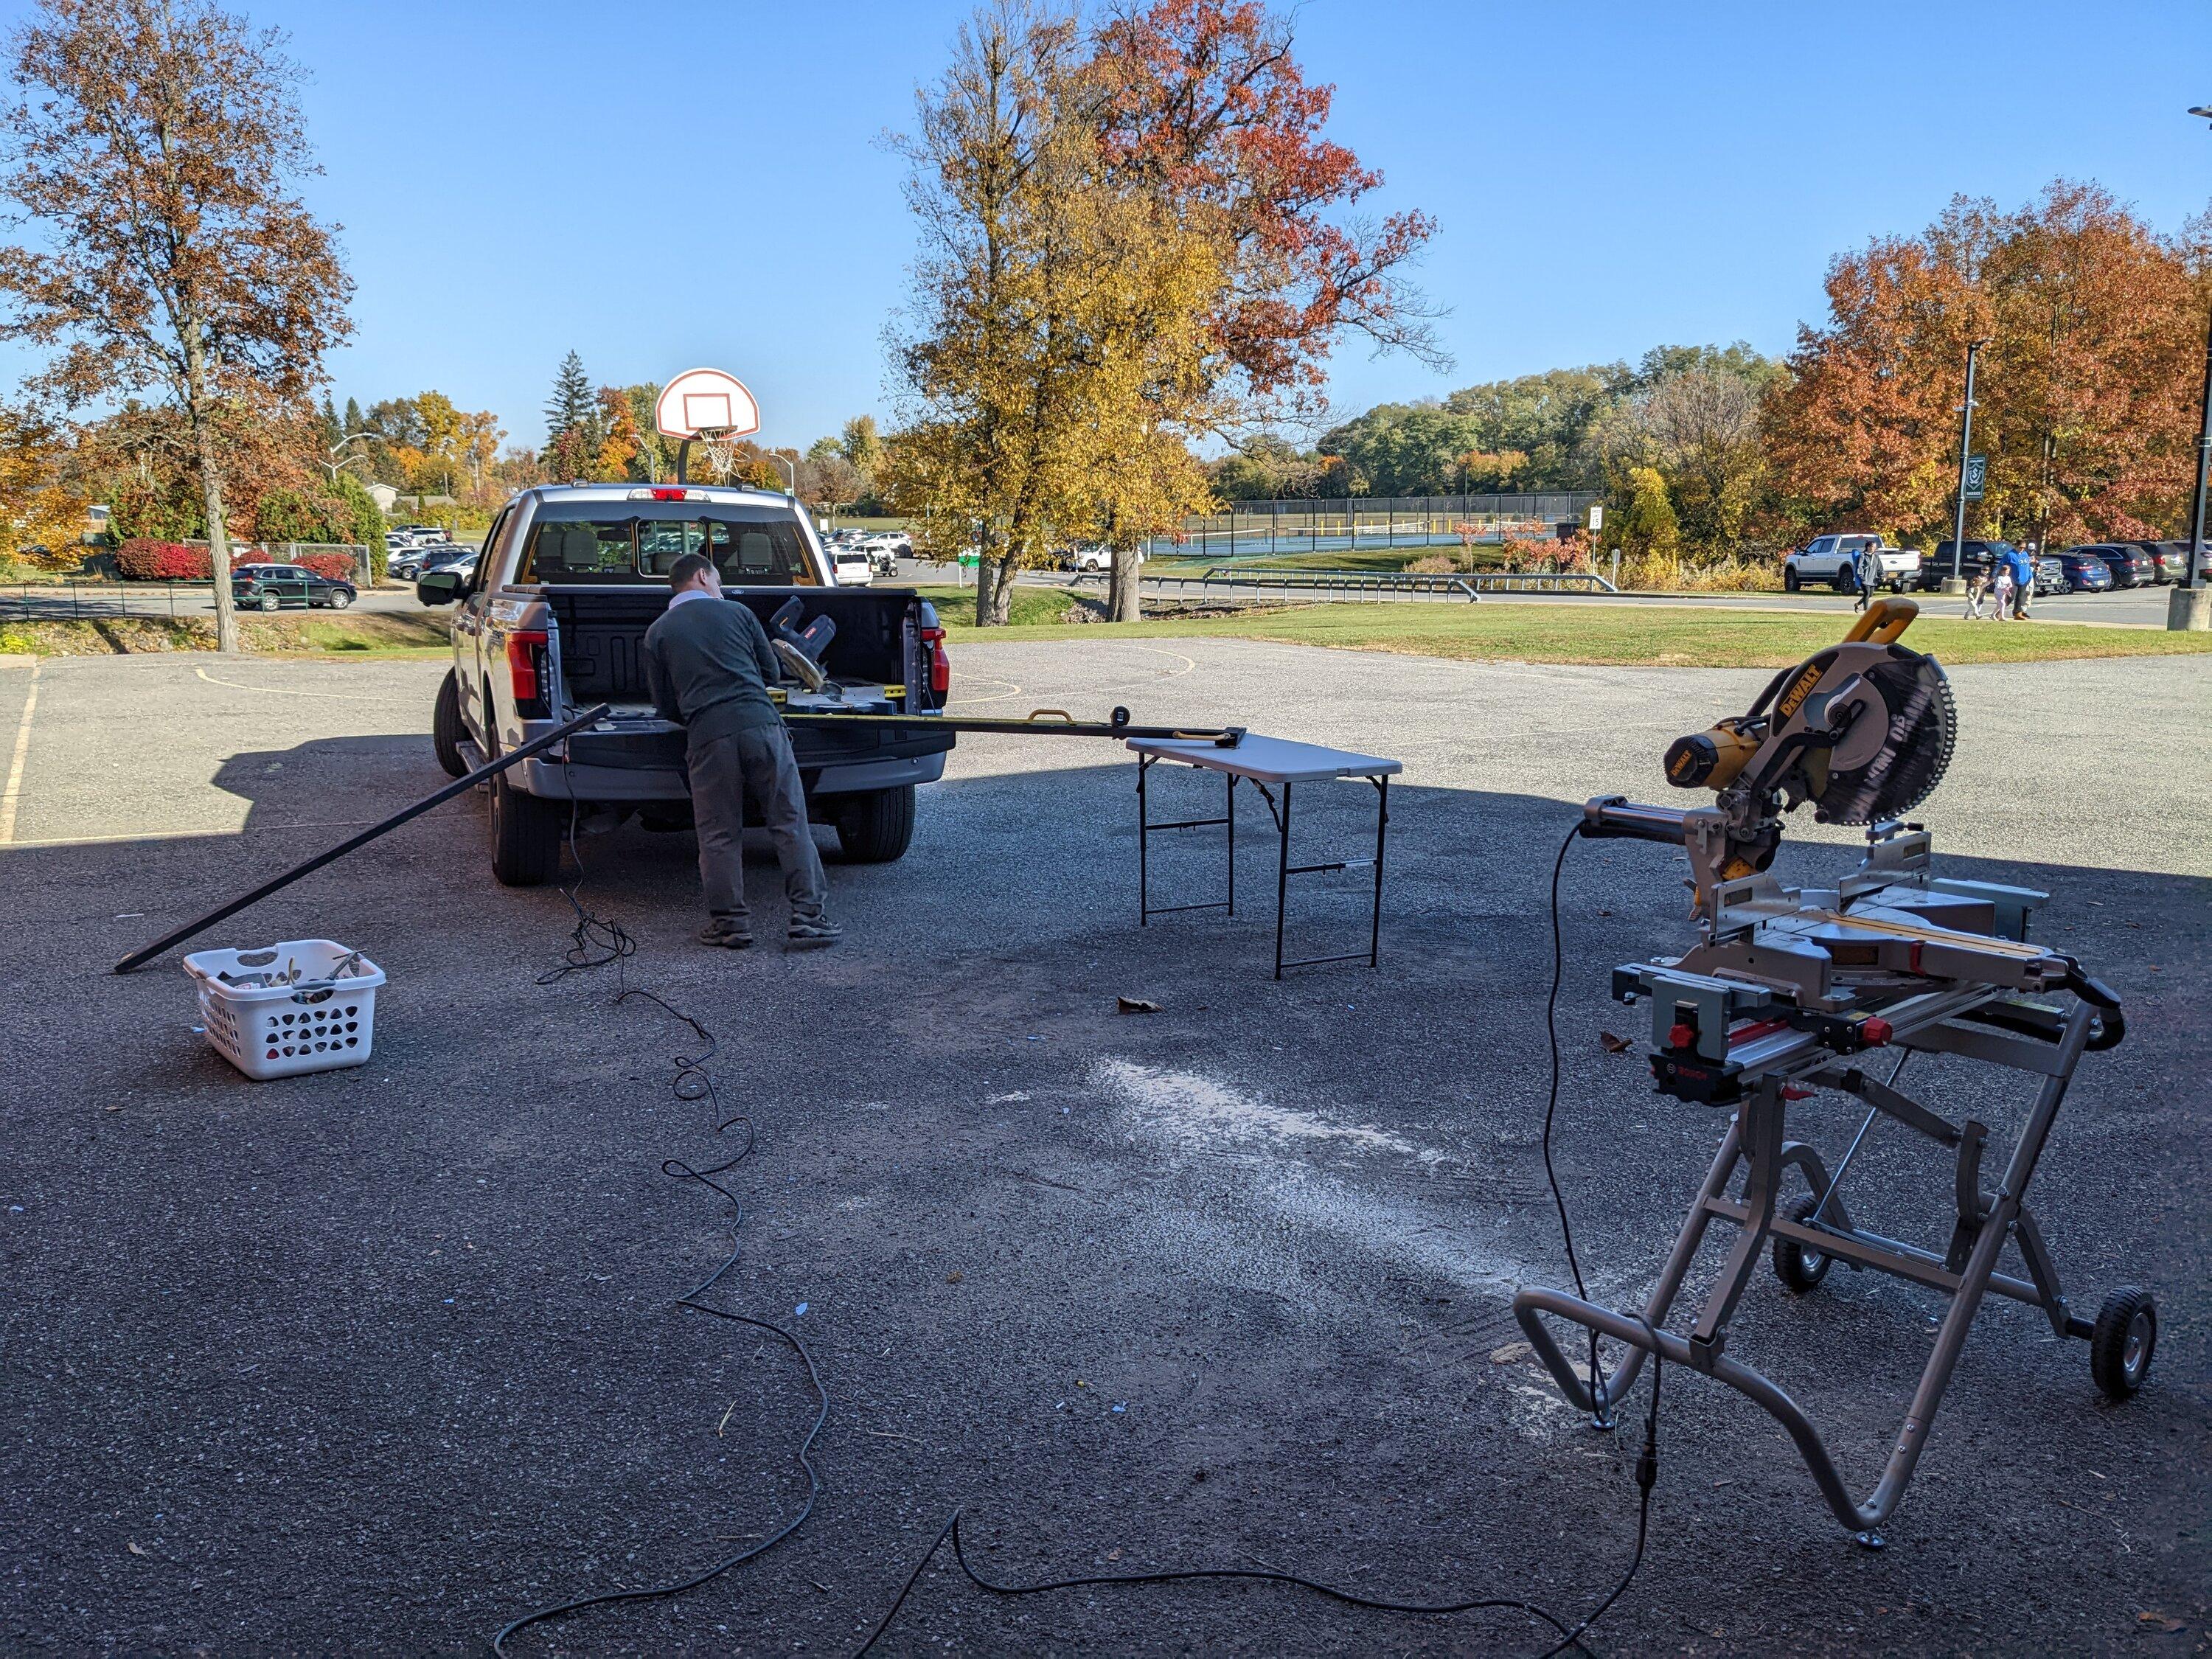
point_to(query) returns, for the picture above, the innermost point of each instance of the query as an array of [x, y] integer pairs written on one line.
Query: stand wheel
[[2126, 1337], [1798, 1268]]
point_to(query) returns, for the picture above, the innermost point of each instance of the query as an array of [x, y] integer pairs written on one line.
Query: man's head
[[695, 570]]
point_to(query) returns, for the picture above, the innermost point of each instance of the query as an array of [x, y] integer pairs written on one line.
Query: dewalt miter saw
[[1788, 989]]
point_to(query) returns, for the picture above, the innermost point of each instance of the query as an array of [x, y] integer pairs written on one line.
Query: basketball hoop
[[709, 408], [717, 450]]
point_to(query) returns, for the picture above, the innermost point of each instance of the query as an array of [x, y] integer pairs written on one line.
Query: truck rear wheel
[[445, 728], [876, 826], [525, 835]]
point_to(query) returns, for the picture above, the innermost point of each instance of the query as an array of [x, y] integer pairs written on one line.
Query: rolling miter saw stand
[[1789, 990]]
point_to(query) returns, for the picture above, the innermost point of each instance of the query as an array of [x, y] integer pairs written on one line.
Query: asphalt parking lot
[[375, 1361]]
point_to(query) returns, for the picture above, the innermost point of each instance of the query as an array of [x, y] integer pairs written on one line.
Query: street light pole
[[1966, 445], [2189, 609]]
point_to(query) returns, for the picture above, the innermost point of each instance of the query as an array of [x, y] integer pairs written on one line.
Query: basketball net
[[717, 449]]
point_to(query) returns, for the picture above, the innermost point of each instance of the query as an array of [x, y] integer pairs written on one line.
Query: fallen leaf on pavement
[[1615, 1045], [1509, 1352]]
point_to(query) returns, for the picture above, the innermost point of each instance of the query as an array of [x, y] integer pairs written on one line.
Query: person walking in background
[[2023, 583], [1977, 588], [2000, 580], [1866, 571]]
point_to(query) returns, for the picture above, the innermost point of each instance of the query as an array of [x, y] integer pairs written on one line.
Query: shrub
[[142, 559], [336, 566], [1433, 564]]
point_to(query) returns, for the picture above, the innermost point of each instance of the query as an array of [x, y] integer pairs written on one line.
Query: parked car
[[2169, 560], [2080, 569], [851, 567], [2050, 576], [2130, 566], [1831, 559], [269, 586]]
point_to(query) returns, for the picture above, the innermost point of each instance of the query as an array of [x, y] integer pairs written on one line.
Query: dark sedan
[[2130, 566], [2082, 571], [267, 586]]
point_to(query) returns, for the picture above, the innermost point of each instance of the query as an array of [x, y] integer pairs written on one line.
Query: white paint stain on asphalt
[[1199, 1112]]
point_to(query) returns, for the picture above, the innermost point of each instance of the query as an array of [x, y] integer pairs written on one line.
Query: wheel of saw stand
[[2126, 1337], [1800, 1269], [445, 728]]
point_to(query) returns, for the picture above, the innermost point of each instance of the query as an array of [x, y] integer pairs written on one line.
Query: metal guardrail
[[74, 600]]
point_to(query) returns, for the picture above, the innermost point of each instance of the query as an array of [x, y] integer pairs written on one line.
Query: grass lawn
[[370, 634], [1627, 635]]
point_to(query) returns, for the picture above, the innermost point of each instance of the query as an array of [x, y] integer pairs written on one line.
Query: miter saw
[[1789, 991]]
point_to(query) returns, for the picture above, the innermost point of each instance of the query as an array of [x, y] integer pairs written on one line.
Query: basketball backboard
[[706, 400]]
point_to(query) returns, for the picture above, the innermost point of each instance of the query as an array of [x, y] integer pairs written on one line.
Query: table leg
[[1381, 823], [1231, 776], [1282, 878], [1144, 844]]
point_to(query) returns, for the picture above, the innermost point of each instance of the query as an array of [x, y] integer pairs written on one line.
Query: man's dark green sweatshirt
[[709, 666]]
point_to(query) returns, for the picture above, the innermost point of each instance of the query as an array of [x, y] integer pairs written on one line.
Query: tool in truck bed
[[1788, 991]]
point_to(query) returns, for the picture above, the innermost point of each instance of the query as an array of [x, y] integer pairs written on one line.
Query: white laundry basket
[[313, 1023]]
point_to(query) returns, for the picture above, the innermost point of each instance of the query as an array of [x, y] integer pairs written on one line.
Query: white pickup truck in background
[[1830, 559]]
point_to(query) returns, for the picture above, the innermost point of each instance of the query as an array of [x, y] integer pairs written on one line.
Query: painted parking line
[[12, 790]]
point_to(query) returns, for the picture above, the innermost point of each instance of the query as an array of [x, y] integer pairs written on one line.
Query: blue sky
[[704, 183]]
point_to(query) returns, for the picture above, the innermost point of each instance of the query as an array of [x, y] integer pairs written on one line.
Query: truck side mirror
[[438, 587]]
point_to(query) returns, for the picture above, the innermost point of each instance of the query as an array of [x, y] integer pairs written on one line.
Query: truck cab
[[552, 620]]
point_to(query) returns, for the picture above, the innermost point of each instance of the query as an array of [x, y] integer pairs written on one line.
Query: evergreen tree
[[326, 419], [572, 405], [353, 415]]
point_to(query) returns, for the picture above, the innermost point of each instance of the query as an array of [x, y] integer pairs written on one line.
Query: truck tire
[[876, 826], [525, 835], [446, 731], [1791, 584]]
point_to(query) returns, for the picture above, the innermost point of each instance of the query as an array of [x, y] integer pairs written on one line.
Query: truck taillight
[[940, 666], [526, 670]]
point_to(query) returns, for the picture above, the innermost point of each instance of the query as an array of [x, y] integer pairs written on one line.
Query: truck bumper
[[553, 781]]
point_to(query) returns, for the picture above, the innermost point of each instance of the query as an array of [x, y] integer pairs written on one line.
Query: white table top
[[1268, 760]]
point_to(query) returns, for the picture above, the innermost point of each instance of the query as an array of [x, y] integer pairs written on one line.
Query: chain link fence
[[1272, 529]]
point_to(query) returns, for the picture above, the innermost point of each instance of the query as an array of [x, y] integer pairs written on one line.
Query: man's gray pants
[[755, 760]]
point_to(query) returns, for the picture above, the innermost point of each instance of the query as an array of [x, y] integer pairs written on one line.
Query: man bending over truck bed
[[709, 666]]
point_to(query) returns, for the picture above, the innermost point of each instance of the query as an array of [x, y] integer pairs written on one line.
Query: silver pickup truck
[[553, 619]]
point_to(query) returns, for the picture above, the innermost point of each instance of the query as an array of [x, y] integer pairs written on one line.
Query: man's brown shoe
[[727, 933]]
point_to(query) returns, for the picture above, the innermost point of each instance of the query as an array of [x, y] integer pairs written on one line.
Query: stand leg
[[1282, 879], [1231, 816]]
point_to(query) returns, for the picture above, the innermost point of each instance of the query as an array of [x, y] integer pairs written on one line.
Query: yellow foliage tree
[[1059, 335], [44, 509]]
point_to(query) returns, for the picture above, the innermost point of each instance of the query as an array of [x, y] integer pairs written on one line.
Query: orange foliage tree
[[2085, 395]]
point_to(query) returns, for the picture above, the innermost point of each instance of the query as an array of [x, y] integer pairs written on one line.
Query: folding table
[[1260, 761]]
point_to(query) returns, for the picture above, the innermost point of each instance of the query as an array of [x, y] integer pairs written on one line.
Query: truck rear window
[[637, 549]]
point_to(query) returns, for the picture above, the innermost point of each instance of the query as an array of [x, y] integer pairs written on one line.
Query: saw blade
[[1907, 699]]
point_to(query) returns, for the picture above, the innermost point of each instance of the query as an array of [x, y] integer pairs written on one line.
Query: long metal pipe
[[145, 954]]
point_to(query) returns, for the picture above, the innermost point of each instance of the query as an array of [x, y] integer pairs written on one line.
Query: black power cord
[[596, 942], [1647, 1462]]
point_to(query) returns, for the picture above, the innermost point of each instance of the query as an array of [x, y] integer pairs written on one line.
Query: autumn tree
[[1130, 236], [41, 497], [2085, 392], [153, 145]]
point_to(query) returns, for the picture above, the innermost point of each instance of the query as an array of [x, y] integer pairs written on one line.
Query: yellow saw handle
[[1883, 622]]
